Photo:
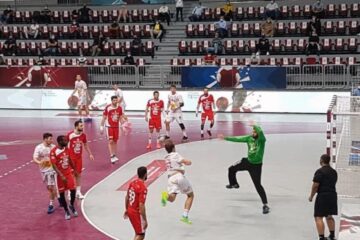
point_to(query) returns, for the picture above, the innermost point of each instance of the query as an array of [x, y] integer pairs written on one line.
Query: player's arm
[[58, 172], [36, 157], [181, 101], [87, 149], [186, 162], [238, 138], [73, 166], [102, 123], [147, 112], [314, 189], [143, 212], [197, 108], [126, 205]]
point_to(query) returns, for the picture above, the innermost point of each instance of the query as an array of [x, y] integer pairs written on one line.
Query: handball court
[[294, 145]]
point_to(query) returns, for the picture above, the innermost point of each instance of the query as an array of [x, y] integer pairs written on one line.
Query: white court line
[[103, 180]]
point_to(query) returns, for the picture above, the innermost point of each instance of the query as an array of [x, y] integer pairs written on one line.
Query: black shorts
[[326, 205]]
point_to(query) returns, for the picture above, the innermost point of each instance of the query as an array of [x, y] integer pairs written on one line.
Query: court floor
[[294, 145]]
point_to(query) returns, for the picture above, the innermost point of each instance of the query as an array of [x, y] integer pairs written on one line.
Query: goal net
[[343, 143]]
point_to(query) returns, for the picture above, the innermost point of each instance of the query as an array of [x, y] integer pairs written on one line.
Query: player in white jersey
[[82, 91], [177, 182], [41, 157], [175, 103], [119, 93]]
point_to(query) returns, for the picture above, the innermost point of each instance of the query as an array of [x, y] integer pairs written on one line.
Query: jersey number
[[131, 196]]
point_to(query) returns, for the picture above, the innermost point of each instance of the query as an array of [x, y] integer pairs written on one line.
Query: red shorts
[[208, 115], [112, 133], [69, 185], [77, 161], [155, 123], [137, 222]]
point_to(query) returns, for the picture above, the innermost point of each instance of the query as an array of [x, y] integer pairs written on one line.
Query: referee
[[252, 164], [324, 182]]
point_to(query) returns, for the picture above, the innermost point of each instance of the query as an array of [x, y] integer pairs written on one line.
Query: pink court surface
[[23, 196]]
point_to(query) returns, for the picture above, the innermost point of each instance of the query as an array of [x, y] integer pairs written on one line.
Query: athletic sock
[[322, 237], [51, 203], [202, 132], [184, 133], [63, 201], [332, 234], [186, 213], [167, 133], [72, 194], [78, 189]]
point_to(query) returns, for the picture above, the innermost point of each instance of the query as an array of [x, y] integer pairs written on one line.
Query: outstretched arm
[[238, 138]]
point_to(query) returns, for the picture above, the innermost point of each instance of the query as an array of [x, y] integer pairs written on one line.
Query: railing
[[306, 77]]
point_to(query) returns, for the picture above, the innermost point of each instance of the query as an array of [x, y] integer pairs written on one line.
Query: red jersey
[[137, 194], [206, 102], [76, 142], [60, 158], [155, 108], [113, 115]]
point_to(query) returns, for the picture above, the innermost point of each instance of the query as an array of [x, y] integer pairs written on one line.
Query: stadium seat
[[52, 62], [292, 28], [250, 13], [190, 30], [272, 61], [289, 45], [85, 32], [15, 32], [222, 62], [280, 28], [194, 47], [187, 62], [301, 45], [27, 17], [145, 15], [296, 12], [146, 31], [298, 61], [240, 46], [355, 10], [306, 11], [343, 10], [324, 61], [85, 48], [341, 28], [245, 30], [252, 46], [284, 10], [217, 13], [354, 27], [42, 47], [234, 62], [33, 48], [137, 31], [229, 47], [352, 45], [211, 30], [135, 15], [198, 62], [329, 28], [351, 61], [126, 31], [326, 45], [95, 31], [23, 49], [106, 32], [257, 30], [18, 17], [64, 49], [204, 46], [303, 28], [340, 44], [106, 51], [94, 16], [200, 30], [208, 14], [183, 47], [260, 12], [239, 13], [330, 10], [234, 30], [338, 61], [66, 16], [105, 16], [114, 15], [150, 48], [56, 17]]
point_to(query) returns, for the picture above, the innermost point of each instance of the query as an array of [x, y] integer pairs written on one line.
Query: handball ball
[[73, 101], [173, 105], [222, 103]]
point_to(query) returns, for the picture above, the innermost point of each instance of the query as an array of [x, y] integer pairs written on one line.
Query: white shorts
[[82, 101], [178, 183], [174, 116], [49, 178]]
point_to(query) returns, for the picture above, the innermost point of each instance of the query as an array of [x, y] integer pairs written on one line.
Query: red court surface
[[24, 198]]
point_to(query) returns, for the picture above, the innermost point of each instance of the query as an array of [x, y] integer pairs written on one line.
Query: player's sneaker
[[51, 209], [72, 209], [229, 186], [148, 146], [79, 195], [186, 220], [114, 159], [184, 139], [164, 198], [67, 216], [209, 133], [158, 145], [266, 209]]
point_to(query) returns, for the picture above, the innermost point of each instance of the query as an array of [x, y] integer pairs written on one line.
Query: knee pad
[[182, 126]]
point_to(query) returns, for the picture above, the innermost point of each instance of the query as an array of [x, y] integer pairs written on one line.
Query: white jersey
[[174, 101], [42, 153], [119, 93], [173, 162], [80, 87]]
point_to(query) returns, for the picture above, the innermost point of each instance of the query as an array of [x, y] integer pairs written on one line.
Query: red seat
[[28, 16], [330, 10], [56, 17], [245, 29], [126, 31], [137, 30], [340, 44], [117, 48], [64, 49], [74, 48], [234, 62], [285, 61], [298, 61], [175, 62], [194, 46], [341, 28], [229, 47], [94, 16], [33, 48], [239, 13], [296, 11], [56, 31], [145, 15], [200, 30], [351, 61], [289, 45], [140, 62], [252, 46], [276, 46], [260, 12], [118, 62], [150, 48], [292, 28], [257, 29], [18, 17], [52, 62], [338, 61], [234, 29], [183, 47], [217, 13], [106, 31], [85, 32], [250, 13], [307, 11], [187, 62], [95, 31], [280, 28], [301, 45], [155, 14], [272, 61], [204, 46], [15, 32], [105, 16], [147, 31], [353, 28], [114, 15], [326, 45], [127, 47], [303, 28], [106, 50], [22, 49], [135, 15], [21, 62], [211, 30], [208, 14], [324, 61], [222, 62], [355, 10], [85, 48], [42, 47], [343, 10], [197, 62], [6, 31], [284, 11], [240, 45], [329, 27], [352, 45], [190, 30], [66, 16]]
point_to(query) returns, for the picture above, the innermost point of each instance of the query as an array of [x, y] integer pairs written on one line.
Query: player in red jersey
[[135, 204], [77, 140], [112, 116], [65, 170], [156, 107], [208, 105]]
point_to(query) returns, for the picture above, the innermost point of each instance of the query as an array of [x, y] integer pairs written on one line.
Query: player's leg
[[320, 226], [168, 120], [64, 205], [113, 136], [87, 112], [212, 121], [151, 130], [331, 225], [188, 204], [203, 119], [255, 174], [71, 186], [50, 182], [158, 145], [78, 168], [179, 120], [241, 165]]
